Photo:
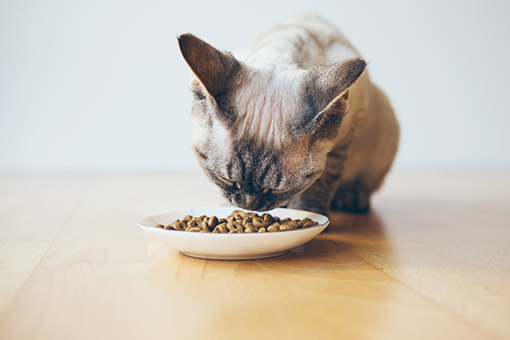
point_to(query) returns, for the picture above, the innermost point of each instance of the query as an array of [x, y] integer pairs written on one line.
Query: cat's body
[[291, 120]]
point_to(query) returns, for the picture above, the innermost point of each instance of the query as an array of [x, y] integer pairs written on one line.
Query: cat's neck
[[306, 44]]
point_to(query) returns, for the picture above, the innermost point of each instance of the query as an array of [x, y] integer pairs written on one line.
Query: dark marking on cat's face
[[254, 177], [262, 134], [251, 173]]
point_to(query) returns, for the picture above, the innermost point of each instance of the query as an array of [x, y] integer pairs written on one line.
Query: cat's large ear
[[326, 90], [213, 68]]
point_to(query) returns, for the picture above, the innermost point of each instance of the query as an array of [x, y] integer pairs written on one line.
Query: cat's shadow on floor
[[336, 247]]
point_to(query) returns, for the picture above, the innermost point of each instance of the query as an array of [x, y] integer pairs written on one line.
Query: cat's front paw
[[352, 200]]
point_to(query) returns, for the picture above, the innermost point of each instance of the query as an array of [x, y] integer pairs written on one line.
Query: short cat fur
[[292, 120]]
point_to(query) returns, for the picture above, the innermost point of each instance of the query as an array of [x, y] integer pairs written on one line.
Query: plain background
[[101, 86]]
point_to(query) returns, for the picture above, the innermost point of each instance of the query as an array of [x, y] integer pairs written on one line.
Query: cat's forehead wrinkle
[[266, 102]]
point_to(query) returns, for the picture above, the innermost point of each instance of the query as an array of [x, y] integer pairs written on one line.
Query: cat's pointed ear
[[326, 90], [213, 68]]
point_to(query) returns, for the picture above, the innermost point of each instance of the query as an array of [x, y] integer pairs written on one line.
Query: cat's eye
[[278, 191], [313, 174], [198, 95], [227, 181], [230, 183]]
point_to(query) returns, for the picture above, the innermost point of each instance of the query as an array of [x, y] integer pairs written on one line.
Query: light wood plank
[[447, 237], [33, 210], [397, 273]]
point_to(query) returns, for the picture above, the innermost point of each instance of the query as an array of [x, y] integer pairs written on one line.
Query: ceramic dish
[[231, 246]]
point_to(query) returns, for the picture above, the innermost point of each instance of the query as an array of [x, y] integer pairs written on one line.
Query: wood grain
[[33, 210], [431, 261]]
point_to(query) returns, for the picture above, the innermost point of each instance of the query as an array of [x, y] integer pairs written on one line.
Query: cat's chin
[[267, 207], [263, 208], [257, 209]]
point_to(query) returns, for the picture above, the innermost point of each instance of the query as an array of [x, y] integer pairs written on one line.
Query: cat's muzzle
[[252, 203]]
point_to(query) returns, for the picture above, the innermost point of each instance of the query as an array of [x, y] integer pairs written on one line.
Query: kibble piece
[[221, 228], [195, 223], [260, 223], [273, 227], [187, 218], [302, 222], [212, 222], [239, 227], [247, 219], [310, 223], [262, 230], [289, 225], [230, 226], [179, 226], [250, 227], [195, 229], [205, 226], [267, 218], [160, 226]]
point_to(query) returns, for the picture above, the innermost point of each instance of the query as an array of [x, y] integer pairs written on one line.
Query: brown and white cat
[[293, 120]]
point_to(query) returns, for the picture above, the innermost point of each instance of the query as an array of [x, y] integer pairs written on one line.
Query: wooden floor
[[431, 261]]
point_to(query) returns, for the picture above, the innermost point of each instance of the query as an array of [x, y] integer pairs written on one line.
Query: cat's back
[[306, 40]]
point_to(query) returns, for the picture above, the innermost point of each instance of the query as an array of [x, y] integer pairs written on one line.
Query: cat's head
[[261, 134]]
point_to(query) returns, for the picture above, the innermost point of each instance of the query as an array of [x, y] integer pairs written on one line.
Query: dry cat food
[[238, 222]]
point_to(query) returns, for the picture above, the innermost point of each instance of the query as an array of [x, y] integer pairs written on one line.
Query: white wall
[[100, 85]]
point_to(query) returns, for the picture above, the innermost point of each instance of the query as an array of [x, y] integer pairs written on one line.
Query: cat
[[292, 120]]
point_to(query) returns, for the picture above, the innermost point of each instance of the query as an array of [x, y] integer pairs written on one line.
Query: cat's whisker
[[273, 117]]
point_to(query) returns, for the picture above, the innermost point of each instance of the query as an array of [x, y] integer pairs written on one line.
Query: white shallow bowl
[[231, 246]]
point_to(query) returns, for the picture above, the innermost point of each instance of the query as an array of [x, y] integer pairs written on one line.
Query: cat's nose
[[251, 203]]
